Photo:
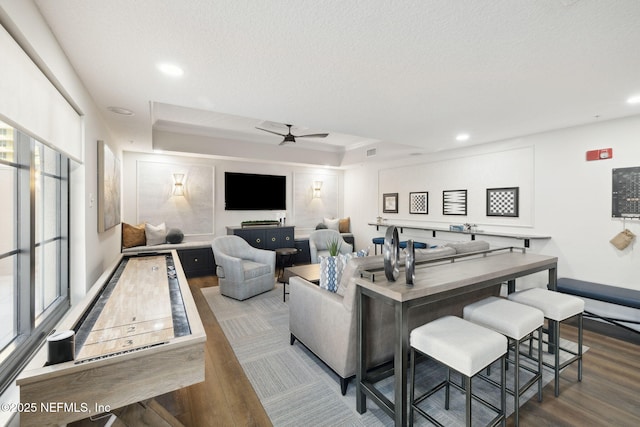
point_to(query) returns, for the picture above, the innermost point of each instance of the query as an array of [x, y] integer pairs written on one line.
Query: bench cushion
[[166, 247], [597, 291]]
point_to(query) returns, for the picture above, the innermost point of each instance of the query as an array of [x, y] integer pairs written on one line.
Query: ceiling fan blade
[[313, 135], [270, 131], [284, 141]]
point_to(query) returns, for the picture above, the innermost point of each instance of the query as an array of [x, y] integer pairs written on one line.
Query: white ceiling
[[407, 75]]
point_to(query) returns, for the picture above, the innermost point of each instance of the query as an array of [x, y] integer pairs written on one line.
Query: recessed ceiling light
[[634, 100], [121, 111], [170, 69], [462, 137]]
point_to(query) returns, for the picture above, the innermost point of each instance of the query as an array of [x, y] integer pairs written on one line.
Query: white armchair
[[243, 271], [319, 244]]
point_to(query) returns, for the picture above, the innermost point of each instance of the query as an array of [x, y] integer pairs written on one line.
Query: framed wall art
[[109, 193], [502, 201], [454, 202], [625, 193], [390, 203], [419, 202]]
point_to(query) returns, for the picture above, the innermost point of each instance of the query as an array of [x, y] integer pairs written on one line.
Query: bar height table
[[432, 283]]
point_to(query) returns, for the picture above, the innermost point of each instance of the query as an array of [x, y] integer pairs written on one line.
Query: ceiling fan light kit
[[289, 137]]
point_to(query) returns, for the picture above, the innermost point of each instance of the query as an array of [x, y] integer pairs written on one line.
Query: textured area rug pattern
[[296, 389]]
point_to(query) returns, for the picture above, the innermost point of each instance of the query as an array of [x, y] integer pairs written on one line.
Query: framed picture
[[502, 201], [454, 202], [390, 203], [109, 198], [419, 202]]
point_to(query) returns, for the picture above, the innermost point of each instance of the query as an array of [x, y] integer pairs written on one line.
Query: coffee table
[[309, 272]]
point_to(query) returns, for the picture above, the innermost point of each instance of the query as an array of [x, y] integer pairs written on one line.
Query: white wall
[[570, 199], [302, 211]]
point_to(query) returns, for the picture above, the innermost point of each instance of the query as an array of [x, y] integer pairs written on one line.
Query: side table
[[309, 272], [284, 258]]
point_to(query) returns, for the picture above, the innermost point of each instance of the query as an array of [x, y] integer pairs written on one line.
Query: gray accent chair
[[318, 244], [243, 271], [325, 322]]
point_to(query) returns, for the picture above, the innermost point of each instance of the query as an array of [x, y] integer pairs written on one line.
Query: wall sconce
[[178, 185], [317, 186]]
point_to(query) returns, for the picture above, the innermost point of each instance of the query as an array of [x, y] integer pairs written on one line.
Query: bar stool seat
[[516, 322], [557, 308], [377, 241], [464, 347], [555, 305]]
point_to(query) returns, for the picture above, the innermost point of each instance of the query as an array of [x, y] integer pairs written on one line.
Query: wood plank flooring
[[609, 394]]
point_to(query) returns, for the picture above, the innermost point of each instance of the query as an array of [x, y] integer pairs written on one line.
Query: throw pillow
[[348, 256], [156, 234], [332, 224], [321, 226], [330, 272], [133, 235], [174, 235], [344, 225]]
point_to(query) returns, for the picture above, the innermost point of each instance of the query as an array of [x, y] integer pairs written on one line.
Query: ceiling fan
[[289, 137]]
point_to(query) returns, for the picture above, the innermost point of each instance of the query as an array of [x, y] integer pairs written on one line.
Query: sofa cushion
[[433, 253], [133, 235], [254, 269], [155, 234], [471, 246]]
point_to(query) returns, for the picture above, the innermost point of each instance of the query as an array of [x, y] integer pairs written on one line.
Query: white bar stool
[[464, 347], [557, 308], [517, 322]]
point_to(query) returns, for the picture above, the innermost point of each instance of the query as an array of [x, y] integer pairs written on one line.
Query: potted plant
[[334, 246]]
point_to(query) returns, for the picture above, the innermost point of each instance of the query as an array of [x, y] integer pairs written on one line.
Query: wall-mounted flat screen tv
[[253, 192]]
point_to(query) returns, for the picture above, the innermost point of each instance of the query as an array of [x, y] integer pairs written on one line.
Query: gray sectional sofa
[[325, 322]]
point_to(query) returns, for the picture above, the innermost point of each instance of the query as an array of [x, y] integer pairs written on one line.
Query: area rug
[[296, 388]]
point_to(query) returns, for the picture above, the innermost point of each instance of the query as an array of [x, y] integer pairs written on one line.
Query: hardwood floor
[[609, 394], [226, 397]]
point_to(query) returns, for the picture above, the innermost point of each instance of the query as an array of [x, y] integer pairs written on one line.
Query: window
[[34, 283]]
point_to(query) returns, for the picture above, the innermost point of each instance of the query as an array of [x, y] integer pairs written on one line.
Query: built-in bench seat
[[605, 293], [166, 247]]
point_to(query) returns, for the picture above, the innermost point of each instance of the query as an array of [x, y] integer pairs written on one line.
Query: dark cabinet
[[349, 239], [265, 237], [280, 237], [254, 237], [197, 262], [303, 256]]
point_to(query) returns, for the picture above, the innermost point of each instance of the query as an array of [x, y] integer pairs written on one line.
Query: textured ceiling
[[405, 74]]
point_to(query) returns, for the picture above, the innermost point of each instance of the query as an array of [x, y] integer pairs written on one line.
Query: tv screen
[[252, 192]]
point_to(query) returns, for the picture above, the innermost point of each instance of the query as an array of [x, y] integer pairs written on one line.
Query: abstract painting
[[109, 188], [390, 203]]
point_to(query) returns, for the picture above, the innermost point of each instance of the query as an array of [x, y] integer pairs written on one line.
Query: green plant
[[334, 246]]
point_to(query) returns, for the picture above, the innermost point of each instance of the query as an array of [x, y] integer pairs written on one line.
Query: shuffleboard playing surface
[[138, 312]]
